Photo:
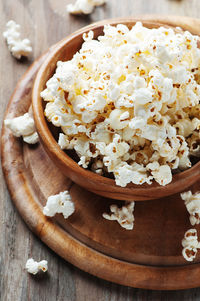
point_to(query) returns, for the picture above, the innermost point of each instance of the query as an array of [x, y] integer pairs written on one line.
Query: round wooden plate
[[148, 257]]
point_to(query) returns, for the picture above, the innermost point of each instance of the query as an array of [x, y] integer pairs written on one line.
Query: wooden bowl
[[64, 50]]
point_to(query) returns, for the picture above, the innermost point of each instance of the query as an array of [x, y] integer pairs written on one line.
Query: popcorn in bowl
[[128, 103]]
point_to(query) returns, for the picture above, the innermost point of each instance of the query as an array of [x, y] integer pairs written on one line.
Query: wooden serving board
[[148, 257]]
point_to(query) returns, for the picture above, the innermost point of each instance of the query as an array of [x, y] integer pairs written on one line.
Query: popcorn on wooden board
[[23, 126], [124, 215]]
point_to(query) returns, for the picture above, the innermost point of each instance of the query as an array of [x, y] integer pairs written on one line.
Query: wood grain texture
[[45, 22]]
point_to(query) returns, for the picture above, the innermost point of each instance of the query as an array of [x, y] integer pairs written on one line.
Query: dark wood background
[[45, 22]]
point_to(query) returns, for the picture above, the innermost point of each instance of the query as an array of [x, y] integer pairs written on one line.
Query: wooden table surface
[[45, 22]]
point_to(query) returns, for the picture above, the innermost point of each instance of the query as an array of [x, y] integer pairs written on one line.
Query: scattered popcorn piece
[[33, 266], [84, 6], [59, 203], [124, 215], [190, 245], [128, 99], [23, 126], [31, 139], [192, 202], [16, 45]]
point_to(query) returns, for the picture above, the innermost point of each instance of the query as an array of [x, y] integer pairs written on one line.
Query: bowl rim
[[46, 135]]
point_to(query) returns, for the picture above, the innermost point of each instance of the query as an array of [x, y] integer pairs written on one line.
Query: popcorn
[[33, 266], [192, 202], [194, 144], [84, 162], [23, 126], [116, 119], [134, 173], [84, 6], [162, 174], [31, 139], [124, 215], [17, 47], [142, 96], [63, 141], [190, 245], [186, 127], [129, 99], [97, 167], [59, 203]]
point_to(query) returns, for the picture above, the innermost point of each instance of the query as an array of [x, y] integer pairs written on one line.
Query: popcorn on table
[[59, 203], [16, 45], [84, 6], [124, 215], [190, 245], [33, 266], [130, 100], [192, 202], [23, 126]]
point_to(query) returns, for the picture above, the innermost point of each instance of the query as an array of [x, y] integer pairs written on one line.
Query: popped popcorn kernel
[[128, 99], [190, 245], [124, 215], [192, 203], [23, 126], [59, 203], [84, 6], [16, 45], [33, 267]]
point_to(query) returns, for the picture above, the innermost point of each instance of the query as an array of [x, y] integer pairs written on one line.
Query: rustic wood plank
[[46, 22]]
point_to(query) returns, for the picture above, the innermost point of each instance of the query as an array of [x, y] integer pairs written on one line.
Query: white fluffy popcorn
[[16, 45], [190, 245], [59, 203], [162, 174], [194, 144], [84, 6], [192, 202], [62, 141], [128, 99], [23, 126], [31, 139], [124, 215], [33, 267]]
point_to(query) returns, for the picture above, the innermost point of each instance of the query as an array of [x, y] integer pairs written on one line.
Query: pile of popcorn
[[128, 103]]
